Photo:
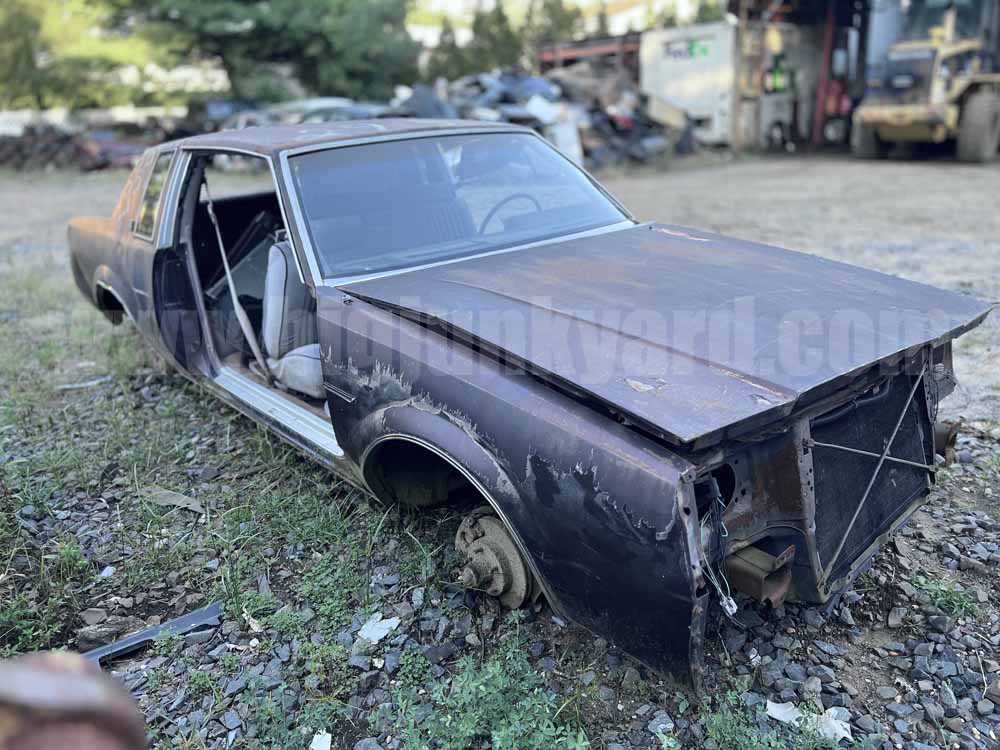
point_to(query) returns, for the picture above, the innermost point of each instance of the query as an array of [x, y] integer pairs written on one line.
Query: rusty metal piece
[[59, 700], [493, 562], [765, 577], [945, 437]]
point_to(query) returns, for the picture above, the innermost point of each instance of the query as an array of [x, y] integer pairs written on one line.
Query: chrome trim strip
[[167, 215], [300, 224], [110, 290], [159, 201], [303, 423], [339, 393], [348, 280]]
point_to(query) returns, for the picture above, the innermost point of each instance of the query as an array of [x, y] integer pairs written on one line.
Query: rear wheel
[[865, 143], [979, 131]]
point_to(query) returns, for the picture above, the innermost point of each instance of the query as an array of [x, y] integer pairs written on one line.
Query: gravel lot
[[341, 620]]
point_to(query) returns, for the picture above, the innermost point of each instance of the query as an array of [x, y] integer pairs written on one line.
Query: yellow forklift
[[941, 82]]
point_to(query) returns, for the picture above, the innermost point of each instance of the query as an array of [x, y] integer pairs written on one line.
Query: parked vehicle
[[636, 416], [941, 82]]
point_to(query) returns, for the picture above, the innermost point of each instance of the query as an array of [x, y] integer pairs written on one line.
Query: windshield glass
[[923, 15], [397, 204]]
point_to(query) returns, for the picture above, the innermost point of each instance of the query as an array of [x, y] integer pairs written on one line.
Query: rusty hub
[[492, 561]]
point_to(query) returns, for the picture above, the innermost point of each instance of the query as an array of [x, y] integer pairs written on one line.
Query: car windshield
[[923, 15], [397, 204]]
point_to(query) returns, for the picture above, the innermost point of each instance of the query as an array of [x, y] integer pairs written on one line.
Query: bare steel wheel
[[492, 561]]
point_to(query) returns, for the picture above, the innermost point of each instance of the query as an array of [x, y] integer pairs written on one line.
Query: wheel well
[[402, 471], [109, 304]]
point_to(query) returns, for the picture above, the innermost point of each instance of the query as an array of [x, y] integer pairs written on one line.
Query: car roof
[[270, 140]]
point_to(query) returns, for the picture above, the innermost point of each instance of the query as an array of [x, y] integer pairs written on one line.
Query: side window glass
[[146, 220]]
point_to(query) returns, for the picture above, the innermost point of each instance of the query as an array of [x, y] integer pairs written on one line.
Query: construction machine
[[939, 83]]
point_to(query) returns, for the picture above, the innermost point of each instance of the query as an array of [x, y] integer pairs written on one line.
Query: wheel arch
[[107, 299], [441, 437]]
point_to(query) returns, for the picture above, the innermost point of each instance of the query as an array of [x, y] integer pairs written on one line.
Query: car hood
[[691, 334]]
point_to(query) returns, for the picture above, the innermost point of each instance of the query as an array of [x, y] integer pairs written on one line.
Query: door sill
[[282, 409]]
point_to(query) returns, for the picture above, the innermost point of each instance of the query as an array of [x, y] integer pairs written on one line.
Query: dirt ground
[[301, 563]]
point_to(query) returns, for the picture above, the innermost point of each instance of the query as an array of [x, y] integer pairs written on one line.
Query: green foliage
[[551, 21], [50, 55], [710, 11], [447, 60], [494, 43], [334, 47], [327, 664], [501, 701], [946, 595], [332, 586], [33, 620], [413, 667], [732, 728]]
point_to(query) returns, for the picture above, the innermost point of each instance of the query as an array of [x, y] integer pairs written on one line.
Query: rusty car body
[[647, 417]]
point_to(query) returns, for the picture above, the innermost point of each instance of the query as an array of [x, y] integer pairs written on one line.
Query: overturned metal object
[[61, 701]]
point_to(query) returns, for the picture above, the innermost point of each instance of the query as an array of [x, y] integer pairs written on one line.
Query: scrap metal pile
[[48, 147], [594, 114]]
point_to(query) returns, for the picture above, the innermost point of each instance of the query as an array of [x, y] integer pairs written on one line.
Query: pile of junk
[[45, 146], [594, 114]]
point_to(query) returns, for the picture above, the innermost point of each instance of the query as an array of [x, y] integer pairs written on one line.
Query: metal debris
[[204, 617]]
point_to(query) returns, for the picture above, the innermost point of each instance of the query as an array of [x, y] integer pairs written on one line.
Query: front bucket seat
[[288, 327]]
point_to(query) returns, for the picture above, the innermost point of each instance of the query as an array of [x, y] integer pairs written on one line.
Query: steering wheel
[[504, 202]]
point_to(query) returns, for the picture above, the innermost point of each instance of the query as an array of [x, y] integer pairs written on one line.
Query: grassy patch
[[946, 595], [500, 703]]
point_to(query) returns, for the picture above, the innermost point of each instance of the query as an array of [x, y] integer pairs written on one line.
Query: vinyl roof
[[273, 139]]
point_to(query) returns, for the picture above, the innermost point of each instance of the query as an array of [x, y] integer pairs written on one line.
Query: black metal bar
[[893, 459]]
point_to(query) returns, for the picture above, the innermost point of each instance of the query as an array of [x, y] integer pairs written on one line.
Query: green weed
[[501, 702], [946, 595]]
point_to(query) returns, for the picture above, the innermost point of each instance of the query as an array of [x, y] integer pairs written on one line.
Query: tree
[[50, 56], [603, 29], [494, 43], [550, 22], [710, 11], [335, 47], [448, 60], [25, 81]]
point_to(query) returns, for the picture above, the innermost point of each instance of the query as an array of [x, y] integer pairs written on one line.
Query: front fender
[[606, 518]]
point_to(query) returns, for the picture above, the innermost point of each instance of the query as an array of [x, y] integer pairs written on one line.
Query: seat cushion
[[289, 309], [301, 371]]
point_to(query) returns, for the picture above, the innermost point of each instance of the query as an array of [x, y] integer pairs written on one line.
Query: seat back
[[289, 314]]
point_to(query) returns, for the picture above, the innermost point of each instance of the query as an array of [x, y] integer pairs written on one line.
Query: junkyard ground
[[301, 561]]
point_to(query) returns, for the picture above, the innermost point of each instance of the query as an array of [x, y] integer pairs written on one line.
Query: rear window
[[150, 206]]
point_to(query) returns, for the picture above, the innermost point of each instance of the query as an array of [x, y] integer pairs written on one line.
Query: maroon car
[[640, 418]]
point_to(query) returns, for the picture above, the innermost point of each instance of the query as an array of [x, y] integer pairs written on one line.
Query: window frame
[[134, 223]]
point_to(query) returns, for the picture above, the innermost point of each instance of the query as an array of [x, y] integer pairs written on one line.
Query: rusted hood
[[692, 334]]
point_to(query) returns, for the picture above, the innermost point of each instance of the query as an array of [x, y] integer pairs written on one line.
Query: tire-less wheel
[[979, 131], [865, 143], [493, 563]]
